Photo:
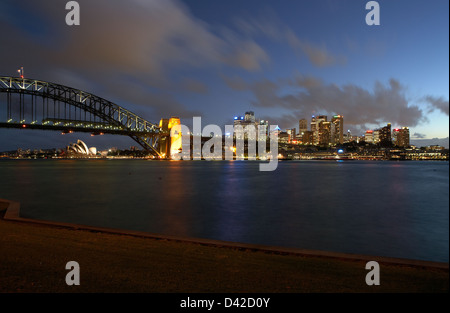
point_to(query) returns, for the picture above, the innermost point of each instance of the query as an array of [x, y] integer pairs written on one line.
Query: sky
[[284, 60]]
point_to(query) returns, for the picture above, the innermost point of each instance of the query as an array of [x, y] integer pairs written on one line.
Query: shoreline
[[145, 262], [13, 213], [215, 160]]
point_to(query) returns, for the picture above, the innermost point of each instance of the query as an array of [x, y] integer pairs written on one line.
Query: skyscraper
[[292, 134], [376, 136], [249, 120], [302, 125], [369, 136], [400, 137], [385, 135], [315, 125], [337, 129], [324, 133], [314, 129], [250, 116], [307, 137]]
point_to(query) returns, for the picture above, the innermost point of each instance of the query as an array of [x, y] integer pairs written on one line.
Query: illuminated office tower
[[263, 129], [376, 136], [400, 137], [369, 136], [337, 129], [307, 137], [315, 125], [324, 133], [249, 116], [302, 125], [292, 133], [249, 120], [314, 129], [385, 134], [238, 120]]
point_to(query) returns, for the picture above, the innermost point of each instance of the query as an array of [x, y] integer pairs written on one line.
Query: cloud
[[307, 95], [437, 103], [195, 86], [139, 99], [235, 82], [249, 56], [320, 56], [283, 121], [444, 142], [123, 50], [271, 27], [154, 37], [419, 136]]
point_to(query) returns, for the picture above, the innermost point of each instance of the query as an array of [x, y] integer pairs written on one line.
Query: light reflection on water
[[397, 209]]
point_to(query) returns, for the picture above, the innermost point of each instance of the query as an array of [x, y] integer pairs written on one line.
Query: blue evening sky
[[284, 60]]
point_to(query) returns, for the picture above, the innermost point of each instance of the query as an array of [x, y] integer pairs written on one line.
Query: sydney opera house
[[81, 149]]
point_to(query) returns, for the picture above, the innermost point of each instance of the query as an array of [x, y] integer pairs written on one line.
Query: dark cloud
[[419, 136], [195, 86], [125, 51], [235, 82], [437, 103], [284, 121], [360, 107], [141, 99]]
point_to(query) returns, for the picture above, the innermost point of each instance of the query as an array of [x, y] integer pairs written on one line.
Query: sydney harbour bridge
[[36, 104]]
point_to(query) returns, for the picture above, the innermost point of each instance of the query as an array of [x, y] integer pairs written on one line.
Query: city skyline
[[284, 60]]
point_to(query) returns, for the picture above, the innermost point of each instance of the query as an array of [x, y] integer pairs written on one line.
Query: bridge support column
[[168, 144]]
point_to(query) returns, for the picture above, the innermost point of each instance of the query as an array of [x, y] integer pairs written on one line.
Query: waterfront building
[[348, 137], [302, 125], [307, 137], [376, 136], [400, 137], [238, 120], [337, 129], [292, 134], [315, 126], [385, 134], [80, 148], [249, 120], [324, 133], [263, 123], [368, 138], [283, 137], [249, 117]]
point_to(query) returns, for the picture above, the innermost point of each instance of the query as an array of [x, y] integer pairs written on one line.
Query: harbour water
[[395, 209]]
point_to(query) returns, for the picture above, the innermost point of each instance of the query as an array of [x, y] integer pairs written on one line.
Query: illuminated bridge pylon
[[36, 104]]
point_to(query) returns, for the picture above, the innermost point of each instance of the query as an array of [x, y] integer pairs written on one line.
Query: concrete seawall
[[13, 214]]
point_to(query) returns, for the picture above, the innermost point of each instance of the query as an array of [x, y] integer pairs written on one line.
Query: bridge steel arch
[[37, 104]]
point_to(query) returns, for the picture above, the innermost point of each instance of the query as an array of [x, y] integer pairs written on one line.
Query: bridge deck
[[69, 129]]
